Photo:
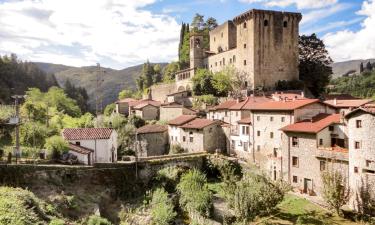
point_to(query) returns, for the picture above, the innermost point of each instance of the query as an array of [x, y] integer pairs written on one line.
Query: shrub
[[162, 208], [176, 149], [168, 177], [97, 220], [195, 196], [21, 207], [56, 145], [57, 222]]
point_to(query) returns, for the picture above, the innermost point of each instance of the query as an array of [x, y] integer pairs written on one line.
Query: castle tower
[[196, 50]]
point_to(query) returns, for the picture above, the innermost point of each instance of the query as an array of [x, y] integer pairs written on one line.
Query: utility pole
[[17, 98]]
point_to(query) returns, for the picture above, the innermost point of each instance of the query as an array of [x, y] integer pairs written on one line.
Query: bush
[[168, 177], [57, 222], [195, 196], [176, 149], [97, 220], [56, 146], [162, 208], [21, 207]]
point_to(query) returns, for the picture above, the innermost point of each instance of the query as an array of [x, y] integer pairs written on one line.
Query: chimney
[[302, 94], [335, 101]]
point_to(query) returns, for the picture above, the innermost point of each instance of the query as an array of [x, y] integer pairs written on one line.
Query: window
[[244, 25], [233, 143], [258, 133], [271, 118], [320, 142], [240, 143], [78, 143], [271, 135], [295, 179], [226, 113], [222, 34], [355, 169], [258, 148], [258, 118], [234, 59], [282, 119], [183, 138], [322, 165], [191, 138], [368, 163], [295, 141], [331, 128], [295, 161], [244, 45], [275, 152], [210, 130], [247, 130], [358, 123], [215, 63], [265, 23], [244, 62], [357, 145], [230, 60], [214, 39], [220, 63], [285, 24], [223, 61], [236, 113], [245, 146]]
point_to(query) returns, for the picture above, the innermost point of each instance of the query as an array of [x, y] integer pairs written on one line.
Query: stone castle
[[262, 44]]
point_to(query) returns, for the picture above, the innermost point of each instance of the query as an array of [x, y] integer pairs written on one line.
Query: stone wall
[[159, 92]]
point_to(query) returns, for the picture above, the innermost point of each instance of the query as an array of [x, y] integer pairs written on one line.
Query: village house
[[241, 138], [122, 106], [361, 127], [310, 147], [173, 128], [180, 97], [145, 109], [92, 145], [347, 105], [174, 110], [152, 140]]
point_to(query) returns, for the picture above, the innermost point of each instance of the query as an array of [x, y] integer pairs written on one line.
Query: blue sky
[[122, 33]]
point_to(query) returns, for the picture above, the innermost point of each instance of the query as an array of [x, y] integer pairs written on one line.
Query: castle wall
[[160, 91], [223, 37]]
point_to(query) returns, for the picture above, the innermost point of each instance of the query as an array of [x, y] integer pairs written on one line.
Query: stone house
[[361, 127], [347, 105], [310, 147], [174, 132], [180, 97], [152, 140], [146, 109], [221, 111], [122, 106], [241, 138], [92, 145], [174, 110], [202, 135]]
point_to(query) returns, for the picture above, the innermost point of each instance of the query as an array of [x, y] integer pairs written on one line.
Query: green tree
[[109, 109], [198, 22], [125, 94], [314, 64], [336, 191], [223, 82], [79, 94], [203, 82], [33, 134], [157, 74], [368, 66], [56, 146], [162, 208], [195, 196], [361, 68], [97, 220], [169, 72], [184, 47]]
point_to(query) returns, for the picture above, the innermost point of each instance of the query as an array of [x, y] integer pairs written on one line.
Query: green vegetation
[[184, 47], [359, 85], [125, 94], [176, 149], [314, 64], [97, 220], [170, 70], [77, 93], [56, 146], [162, 211], [195, 196], [198, 25], [151, 74], [109, 109]]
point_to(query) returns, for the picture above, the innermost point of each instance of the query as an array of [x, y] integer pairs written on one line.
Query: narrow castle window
[[223, 61], [222, 34], [244, 45], [265, 23], [285, 24], [214, 39], [244, 25], [234, 59], [244, 62]]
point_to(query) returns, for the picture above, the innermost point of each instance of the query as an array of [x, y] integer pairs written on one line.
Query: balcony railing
[[336, 152]]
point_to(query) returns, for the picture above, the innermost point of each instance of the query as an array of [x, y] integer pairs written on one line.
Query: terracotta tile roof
[[283, 105], [181, 120], [348, 103], [369, 109], [278, 96], [171, 105], [142, 105], [224, 105], [316, 124], [244, 121], [335, 149], [79, 149], [178, 92], [152, 128], [143, 101], [198, 123], [86, 133], [126, 100], [339, 97]]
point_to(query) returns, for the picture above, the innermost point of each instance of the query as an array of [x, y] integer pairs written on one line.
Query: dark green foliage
[[56, 146], [109, 109], [361, 68], [149, 76], [77, 93], [360, 86], [169, 72], [184, 47], [314, 64], [176, 149], [195, 196], [168, 178], [17, 76], [368, 66], [162, 211], [97, 220], [203, 82], [198, 25], [136, 121]]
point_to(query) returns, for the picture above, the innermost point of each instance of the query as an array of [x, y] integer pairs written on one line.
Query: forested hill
[[113, 80], [17, 76], [348, 67]]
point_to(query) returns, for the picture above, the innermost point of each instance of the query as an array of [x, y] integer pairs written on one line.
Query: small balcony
[[336, 152]]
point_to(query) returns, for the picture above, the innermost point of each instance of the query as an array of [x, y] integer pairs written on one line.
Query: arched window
[[285, 24], [244, 25], [265, 23]]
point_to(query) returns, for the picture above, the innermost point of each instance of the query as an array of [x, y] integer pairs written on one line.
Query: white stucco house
[[92, 145]]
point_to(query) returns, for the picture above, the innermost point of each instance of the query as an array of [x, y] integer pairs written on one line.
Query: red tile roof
[[288, 105], [86, 133], [143, 101], [244, 121], [339, 96], [198, 123], [142, 105], [126, 100], [316, 124], [369, 108], [80, 149], [249, 101], [225, 105], [152, 128], [181, 120], [348, 103]]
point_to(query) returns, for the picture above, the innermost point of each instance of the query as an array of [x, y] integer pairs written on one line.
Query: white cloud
[[82, 32], [318, 14], [300, 4], [346, 45]]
